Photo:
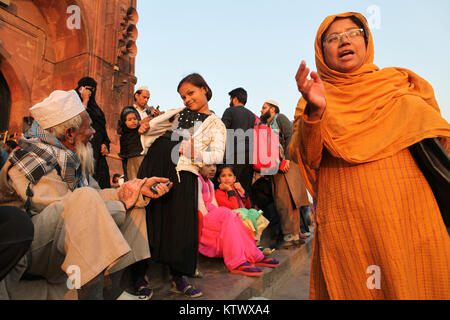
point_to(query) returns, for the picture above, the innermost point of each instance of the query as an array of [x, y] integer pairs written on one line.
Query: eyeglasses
[[336, 37]]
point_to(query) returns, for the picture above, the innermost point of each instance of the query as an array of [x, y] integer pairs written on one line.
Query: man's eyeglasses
[[336, 37]]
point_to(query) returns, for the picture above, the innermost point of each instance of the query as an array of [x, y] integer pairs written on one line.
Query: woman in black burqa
[[100, 141]]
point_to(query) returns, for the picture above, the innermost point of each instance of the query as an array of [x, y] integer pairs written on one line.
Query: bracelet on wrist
[[124, 205]]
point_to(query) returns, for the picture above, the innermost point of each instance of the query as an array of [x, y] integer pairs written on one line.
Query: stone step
[[218, 283]]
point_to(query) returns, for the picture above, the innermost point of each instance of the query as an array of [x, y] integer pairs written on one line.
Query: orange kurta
[[384, 214]]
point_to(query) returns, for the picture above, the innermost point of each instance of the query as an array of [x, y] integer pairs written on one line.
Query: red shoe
[[248, 270], [268, 262]]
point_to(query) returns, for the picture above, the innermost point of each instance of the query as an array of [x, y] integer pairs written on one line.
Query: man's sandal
[[248, 270]]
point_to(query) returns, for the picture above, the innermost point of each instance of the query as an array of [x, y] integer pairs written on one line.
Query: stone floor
[[289, 281]]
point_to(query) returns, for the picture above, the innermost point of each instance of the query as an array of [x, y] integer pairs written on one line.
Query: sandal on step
[[268, 262], [248, 270], [143, 290], [183, 287]]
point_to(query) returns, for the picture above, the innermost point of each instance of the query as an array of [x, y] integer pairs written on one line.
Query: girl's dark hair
[[121, 127], [226, 166], [196, 80], [356, 21]]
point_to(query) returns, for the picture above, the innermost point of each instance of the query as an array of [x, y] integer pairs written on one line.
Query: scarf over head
[[371, 113], [40, 153], [130, 139], [97, 115]]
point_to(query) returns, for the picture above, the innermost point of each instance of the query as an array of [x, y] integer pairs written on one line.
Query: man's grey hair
[[58, 130]]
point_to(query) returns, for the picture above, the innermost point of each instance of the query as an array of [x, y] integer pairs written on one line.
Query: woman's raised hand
[[312, 90]]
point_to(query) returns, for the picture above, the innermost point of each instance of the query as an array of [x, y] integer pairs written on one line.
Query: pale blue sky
[[258, 45]]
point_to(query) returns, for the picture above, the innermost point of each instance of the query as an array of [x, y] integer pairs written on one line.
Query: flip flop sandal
[[143, 291], [247, 270], [188, 290], [268, 262]]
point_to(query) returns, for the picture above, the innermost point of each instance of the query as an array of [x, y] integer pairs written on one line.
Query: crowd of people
[[189, 185]]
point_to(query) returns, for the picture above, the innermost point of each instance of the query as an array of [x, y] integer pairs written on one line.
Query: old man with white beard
[[81, 231]]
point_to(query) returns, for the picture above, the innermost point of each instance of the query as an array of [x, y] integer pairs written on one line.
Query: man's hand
[[157, 112], [129, 192], [287, 166], [161, 188]]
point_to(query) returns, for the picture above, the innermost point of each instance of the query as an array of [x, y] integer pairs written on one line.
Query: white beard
[[86, 155]]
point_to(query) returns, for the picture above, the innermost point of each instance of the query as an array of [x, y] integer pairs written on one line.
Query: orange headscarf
[[371, 113]]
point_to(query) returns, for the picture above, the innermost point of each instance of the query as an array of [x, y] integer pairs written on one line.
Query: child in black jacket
[[130, 141]]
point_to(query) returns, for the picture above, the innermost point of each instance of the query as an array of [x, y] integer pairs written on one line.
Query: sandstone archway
[[38, 53]]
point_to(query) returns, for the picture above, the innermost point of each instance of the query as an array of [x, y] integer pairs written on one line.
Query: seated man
[[80, 231]]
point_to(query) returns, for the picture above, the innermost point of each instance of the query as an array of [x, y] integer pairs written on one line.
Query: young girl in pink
[[231, 195], [224, 234]]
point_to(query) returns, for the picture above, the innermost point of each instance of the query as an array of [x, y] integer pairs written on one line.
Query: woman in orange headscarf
[[379, 231]]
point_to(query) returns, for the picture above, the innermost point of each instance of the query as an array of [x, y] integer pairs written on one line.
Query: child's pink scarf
[[207, 193]]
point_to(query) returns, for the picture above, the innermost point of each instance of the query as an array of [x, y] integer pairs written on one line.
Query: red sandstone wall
[[39, 54]]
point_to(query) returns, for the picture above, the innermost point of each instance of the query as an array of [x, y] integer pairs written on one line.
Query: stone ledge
[[219, 284]]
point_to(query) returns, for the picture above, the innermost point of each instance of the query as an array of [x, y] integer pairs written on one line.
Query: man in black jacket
[[238, 150]]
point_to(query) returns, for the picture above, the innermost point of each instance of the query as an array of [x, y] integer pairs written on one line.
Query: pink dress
[[223, 233]]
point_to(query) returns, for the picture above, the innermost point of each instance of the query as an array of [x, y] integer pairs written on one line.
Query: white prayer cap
[[143, 88], [59, 107], [273, 102]]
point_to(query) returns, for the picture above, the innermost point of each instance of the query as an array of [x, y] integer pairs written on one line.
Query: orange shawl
[[371, 113]]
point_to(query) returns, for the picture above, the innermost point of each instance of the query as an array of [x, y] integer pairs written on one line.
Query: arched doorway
[[5, 103]]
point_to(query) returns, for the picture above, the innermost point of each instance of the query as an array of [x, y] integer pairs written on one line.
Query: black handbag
[[434, 162]]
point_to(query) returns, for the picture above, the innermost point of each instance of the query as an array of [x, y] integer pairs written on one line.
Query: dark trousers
[[16, 235], [304, 219]]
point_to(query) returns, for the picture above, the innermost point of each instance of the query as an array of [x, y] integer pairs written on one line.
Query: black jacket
[[238, 118]]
